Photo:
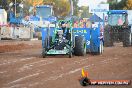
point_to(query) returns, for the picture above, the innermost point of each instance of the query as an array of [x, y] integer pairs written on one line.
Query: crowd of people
[[83, 23]]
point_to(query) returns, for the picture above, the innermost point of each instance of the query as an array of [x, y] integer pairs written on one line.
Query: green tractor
[[63, 41], [118, 28]]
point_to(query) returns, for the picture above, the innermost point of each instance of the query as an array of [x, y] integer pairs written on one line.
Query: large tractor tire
[[80, 46], [47, 40], [127, 38], [96, 50], [70, 52], [107, 37], [44, 48], [43, 53]]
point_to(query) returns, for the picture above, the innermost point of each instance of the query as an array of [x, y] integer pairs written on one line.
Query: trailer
[[94, 39]]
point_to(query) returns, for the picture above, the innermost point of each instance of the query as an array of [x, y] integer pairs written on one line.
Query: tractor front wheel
[[43, 53], [70, 52]]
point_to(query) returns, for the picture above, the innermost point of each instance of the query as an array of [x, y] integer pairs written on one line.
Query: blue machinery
[[94, 40]]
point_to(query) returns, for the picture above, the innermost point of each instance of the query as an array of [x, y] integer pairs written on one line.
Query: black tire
[[46, 42], [94, 50], [80, 46], [127, 38], [68, 36], [70, 53], [44, 48], [108, 37], [43, 53]]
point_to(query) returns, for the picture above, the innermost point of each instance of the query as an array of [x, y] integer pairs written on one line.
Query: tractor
[[74, 41], [43, 16], [62, 41], [119, 28]]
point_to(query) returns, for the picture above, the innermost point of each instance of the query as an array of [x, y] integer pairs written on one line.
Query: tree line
[[61, 7], [123, 4]]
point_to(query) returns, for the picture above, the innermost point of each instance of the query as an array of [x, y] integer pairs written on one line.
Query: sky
[[89, 2]]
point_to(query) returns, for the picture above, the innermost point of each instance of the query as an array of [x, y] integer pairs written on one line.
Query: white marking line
[[33, 84], [23, 78], [3, 72], [23, 85], [82, 60], [36, 62], [108, 60], [14, 61], [30, 66], [27, 58], [78, 62], [16, 86], [73, 71], [48, 62], [9, 62]]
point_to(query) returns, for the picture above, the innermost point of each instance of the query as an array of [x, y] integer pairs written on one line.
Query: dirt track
[[23, 67]]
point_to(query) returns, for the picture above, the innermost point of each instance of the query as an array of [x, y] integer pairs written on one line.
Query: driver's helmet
[[63, 24]]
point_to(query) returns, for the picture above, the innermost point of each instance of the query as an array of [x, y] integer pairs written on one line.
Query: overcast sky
[[89, 2]]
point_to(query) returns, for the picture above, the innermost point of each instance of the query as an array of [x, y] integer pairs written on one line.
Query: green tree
[[85, 12], [61, 7], [75, 7], [123, 4], [128, 5]]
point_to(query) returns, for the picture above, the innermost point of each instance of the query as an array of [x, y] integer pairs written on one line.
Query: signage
[[98, 8]]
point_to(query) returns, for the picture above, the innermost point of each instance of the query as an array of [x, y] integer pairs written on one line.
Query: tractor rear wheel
[[80, 46], [43, 53], [46, 41], [127, 38], [107, 37], [45, 46]]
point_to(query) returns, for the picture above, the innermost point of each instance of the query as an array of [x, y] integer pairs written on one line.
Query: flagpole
[[15, 8]]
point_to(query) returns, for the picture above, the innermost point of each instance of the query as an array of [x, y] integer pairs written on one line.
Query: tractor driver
[[65, 28]]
